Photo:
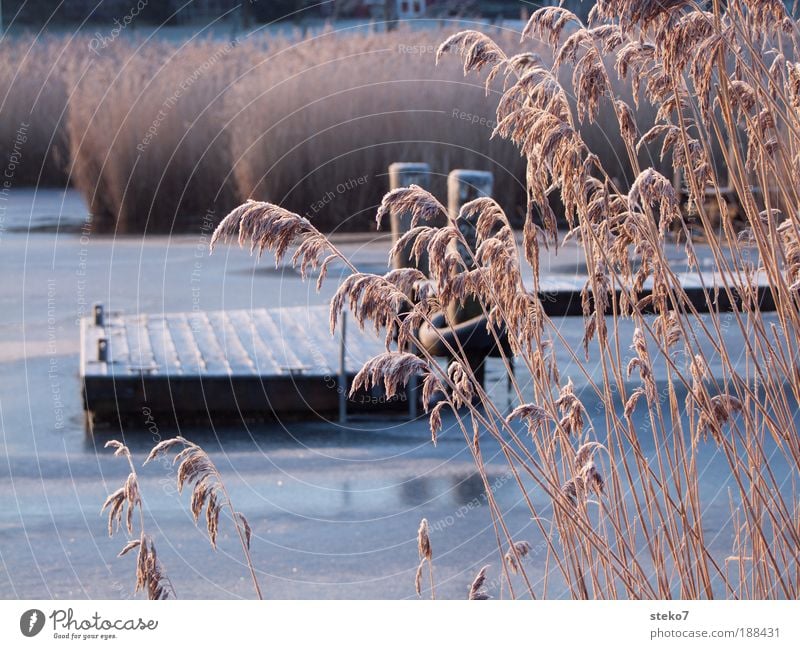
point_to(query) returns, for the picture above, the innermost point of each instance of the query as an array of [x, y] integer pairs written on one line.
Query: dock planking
[[270, 363]]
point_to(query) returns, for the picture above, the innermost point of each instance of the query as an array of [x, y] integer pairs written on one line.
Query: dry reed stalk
[[196, 470], [425, 556], [146, 147], [476, 590], [627, 524], [150, 576]]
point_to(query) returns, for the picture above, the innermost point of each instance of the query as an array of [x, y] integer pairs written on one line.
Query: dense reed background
[[157, 134], [34, 92]]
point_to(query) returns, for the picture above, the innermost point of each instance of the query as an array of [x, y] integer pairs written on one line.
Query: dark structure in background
[[36, 13]]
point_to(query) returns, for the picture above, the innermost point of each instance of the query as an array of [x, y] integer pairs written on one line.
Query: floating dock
[[265, 363], [561, 294], [221, 365]]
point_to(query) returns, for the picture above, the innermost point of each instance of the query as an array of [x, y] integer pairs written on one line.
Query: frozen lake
[[334, 509]]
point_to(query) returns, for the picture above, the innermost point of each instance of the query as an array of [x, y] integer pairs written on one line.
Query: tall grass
[[618, 521]]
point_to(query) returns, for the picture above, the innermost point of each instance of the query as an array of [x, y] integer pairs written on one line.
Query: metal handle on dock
[[102, 350]]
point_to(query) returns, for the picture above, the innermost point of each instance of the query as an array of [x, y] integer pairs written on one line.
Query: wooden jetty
[[266, 363]]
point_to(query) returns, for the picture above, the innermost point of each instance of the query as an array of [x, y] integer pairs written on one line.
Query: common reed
[[196, 470], [425, 557], [157, 135], [618, 522], [35, 82], [147, 145], [150, 576], [343, 105], [476, 589]]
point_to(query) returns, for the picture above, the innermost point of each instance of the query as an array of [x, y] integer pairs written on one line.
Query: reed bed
[[34, 92], [617, 522], [342, 107], [162, 136], [148, 150]]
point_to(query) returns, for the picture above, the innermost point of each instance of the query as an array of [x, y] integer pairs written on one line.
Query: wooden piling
[[403, 174]]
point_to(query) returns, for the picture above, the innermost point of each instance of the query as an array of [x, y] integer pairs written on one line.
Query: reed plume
[[196, 470], [150, 576], [425, 557], [476, 589]]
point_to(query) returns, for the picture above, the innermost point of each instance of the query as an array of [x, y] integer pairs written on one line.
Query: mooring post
[[403, 174], [464, 185], [99, 314], [343, 370]]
